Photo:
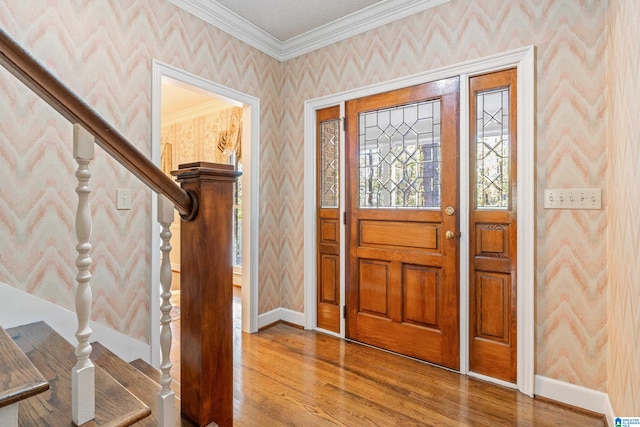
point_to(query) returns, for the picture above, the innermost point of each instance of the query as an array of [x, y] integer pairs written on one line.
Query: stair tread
[[135, 381], [55, 357], [147, 369], [19, 378]]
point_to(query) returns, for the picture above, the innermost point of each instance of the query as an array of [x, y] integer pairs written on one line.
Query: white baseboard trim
[[609, 413], [278, 314], [295, 317], [268, 318], [20, 308], [574, 395]]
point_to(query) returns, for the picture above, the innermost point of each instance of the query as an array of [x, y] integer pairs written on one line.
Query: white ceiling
[[286, 19], [179, 98], [285, 29]]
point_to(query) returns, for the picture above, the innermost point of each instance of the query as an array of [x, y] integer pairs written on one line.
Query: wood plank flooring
[[287, 376]]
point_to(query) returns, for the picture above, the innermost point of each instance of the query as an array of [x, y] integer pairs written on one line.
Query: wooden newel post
[[206, 281]]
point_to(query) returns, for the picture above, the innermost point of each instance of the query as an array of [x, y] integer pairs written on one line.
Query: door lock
[[449, 210]]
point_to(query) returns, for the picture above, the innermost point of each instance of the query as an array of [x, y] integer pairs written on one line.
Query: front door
[[403, 228]]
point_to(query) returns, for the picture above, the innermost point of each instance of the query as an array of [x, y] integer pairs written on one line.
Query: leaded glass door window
[[399, 156], [492, 149], [329, 163]]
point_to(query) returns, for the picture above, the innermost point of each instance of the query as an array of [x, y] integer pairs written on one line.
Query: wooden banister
[[35, 76]]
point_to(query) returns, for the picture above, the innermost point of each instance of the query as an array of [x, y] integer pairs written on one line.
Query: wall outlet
[[123, 199], [573, 198]]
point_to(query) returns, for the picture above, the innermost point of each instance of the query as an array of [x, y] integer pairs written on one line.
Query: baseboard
[[278, 314], [574, 395], [294, 317], [609, 413], [20, 308]]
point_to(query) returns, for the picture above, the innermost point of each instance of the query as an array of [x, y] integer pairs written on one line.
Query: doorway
[[523, 60], [249, 110]]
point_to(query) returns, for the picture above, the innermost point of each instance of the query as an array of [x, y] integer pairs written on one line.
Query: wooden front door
[[403, 226]]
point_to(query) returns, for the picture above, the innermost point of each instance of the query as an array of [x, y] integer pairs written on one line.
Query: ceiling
[[286, 19], [285, 29], [179, 98]]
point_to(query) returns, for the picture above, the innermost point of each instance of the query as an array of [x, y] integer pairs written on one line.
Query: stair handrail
[[34, 75]]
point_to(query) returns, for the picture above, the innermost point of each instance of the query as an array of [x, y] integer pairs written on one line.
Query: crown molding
[[348, 26]]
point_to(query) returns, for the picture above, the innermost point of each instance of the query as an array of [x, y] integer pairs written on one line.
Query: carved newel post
[[206, 281]]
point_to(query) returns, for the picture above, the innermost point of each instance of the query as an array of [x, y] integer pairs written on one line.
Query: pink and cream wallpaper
[[103, 50], [570, 40], [623, 231]]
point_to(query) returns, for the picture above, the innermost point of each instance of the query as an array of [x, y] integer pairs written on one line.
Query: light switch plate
[[573, 198], [123, 199]]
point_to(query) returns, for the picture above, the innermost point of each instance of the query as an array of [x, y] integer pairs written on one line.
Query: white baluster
[[166, 397], [83, 373], [9, 415]]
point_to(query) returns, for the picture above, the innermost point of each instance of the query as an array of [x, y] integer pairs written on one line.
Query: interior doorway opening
[[207, 122], [198, 125]]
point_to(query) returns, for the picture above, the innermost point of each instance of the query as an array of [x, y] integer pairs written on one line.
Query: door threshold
[[497, 381], [402, 355]]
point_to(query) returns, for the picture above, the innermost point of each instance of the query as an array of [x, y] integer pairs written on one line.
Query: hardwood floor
[[288, 376]]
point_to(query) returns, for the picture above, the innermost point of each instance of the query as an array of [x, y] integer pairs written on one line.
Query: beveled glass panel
[[492, 149], [329, 163], [399, 156]]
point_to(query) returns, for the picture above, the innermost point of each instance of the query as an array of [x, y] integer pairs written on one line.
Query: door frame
[[524, 60], [250, 185]]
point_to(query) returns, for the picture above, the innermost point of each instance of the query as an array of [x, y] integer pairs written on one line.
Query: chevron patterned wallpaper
[[570, 39], [623, 232], [103, 50]]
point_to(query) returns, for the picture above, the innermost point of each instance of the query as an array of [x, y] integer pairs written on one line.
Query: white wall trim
[[9, 415], [574, 395], [524, 59], [269, 318], [251, 194], [278, 314], [609, 413], [294, 317], [20, 308], [356, 23]]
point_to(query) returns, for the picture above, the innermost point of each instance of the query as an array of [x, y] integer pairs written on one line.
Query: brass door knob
[[449, 235]]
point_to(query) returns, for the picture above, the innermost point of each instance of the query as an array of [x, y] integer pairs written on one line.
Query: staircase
[[41, 386], [44, 380]]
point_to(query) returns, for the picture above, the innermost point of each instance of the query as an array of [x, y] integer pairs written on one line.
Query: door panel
[[374, 287], [420, 296], [492, 292], [328, 220], [402, 172]]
